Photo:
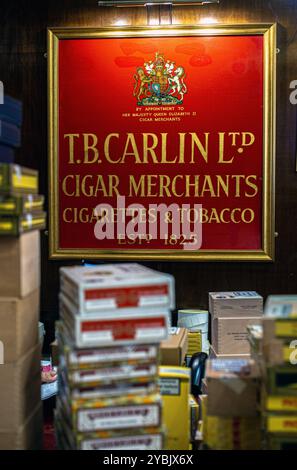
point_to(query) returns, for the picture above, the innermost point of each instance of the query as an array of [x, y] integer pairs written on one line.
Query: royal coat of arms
[[159, 82]]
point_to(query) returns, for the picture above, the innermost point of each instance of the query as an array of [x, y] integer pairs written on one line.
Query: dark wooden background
[[23, 70]]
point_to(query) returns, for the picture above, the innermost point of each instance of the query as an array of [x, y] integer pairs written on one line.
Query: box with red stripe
[[146, 325], [113, 287]]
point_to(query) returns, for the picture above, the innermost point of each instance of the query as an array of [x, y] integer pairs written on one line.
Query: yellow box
[[286, 328], [175, 389], [286, 424], [280, 403]]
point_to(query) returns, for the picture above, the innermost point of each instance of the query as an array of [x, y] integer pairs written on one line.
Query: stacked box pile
[[196, 322], [279, 368], [231, 314], [230, 417], [20, 404], [112, 320]]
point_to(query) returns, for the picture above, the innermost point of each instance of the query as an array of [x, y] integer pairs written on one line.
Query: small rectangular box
[[20, 264], [281, 306], [280, 403], [229, 335], [85, 378], [115, 287], [129, 439], [117, 413], [27, 436], [175, 390], [173, 350], [105, 356], [15, 225], [102, 329], [18, 326], [16, 179], [21, 204], [281, 424], [279, 328], [20, 389], [236, 303]]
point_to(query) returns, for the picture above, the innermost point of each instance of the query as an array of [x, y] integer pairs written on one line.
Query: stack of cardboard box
[[20, 404], [231, 420], [113, 318], [278, 361], [231, 314]]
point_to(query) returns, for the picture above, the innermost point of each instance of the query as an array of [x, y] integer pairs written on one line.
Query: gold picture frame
[[267, 253]]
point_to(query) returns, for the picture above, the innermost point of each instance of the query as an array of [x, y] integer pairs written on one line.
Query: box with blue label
[[236, 303]]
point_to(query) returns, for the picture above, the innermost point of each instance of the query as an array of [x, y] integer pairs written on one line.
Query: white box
[[236, 303], [148, 325], [116, 286]]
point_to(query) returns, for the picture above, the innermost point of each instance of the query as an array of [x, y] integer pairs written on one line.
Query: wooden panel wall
[[23, 70]]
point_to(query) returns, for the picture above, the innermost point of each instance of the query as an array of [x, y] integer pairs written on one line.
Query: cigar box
[[175, 390], [279, 328], [85, 378], [15, 225], [229, 335], [21, 204], [20, 264], [276, 403], [281, 424], [140, 326], [115, 287], [141, 439], [236, 303], [15, 179], [116, 413], [105, 356], [281, 306]]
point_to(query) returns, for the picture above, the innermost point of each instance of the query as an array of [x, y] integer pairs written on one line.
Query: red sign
[[162, 145]]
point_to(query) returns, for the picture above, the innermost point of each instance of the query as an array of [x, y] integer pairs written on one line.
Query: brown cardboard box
[[232, 387], [18, 325], [25, 437], [20, 389], [174, 349], [229, 335], [20, 264], [235, 304]]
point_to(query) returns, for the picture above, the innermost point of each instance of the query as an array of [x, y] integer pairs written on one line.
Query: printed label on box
[[118, 417], [169, 386], [146, 442], [127, 297]]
